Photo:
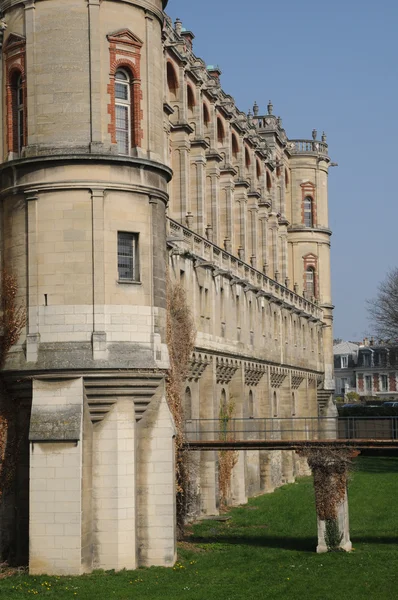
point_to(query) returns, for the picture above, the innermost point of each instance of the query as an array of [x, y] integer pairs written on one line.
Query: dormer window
[[344, 362], [366, 360]]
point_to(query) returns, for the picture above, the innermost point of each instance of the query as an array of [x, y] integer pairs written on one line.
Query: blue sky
[[330, 66]]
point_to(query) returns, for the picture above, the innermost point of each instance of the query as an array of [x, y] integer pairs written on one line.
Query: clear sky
[[330, 66]]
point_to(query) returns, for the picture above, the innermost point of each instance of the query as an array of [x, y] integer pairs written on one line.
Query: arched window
[[235, 146], [251, 405], [275, 405], [172, 81], [123, 111], [188, 404], [258, 169], [206, 116], [247, 158], [220, 132], [310, 282], [190, 98], [269, 183], [308, 212]]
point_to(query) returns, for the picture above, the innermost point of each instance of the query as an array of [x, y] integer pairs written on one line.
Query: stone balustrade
[[206, 251]]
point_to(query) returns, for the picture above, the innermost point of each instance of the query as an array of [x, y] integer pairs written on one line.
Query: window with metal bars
[[128, 257], [123, 111]]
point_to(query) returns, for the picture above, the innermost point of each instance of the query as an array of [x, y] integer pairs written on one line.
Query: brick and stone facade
[[211, 193]]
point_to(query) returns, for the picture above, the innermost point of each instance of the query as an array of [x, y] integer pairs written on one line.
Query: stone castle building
[[121, 158]]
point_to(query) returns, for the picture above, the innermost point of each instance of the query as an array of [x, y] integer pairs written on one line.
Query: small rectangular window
[[344, 362], [127, 256], [368, 383]]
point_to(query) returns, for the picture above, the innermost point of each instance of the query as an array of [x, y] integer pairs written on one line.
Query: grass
[[265, 551]]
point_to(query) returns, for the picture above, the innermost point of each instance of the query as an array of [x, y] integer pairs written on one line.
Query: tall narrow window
[[17, 111], [310, 282], [188, 405], [275, 405], [308, 212], [251, 405], [20, 113], [123, 111], [127, 256]]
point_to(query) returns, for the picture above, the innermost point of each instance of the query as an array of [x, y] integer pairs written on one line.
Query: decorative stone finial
[[270, 107], [279, 122], [255, 109], [178, 26], [250, 116], [314, 134], [324, 137]]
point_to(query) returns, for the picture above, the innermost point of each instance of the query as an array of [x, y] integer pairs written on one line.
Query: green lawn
[[266, 550]]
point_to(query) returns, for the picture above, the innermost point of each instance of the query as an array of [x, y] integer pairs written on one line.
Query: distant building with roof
[[369, 369]]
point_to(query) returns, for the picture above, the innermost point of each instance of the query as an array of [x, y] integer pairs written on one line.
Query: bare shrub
[[227, 459], [12, 322], [12, 316], [181, 336], [330, 468]]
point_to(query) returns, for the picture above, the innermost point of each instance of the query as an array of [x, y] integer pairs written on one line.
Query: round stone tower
[[84, 180], [83, 199], [309, 234]]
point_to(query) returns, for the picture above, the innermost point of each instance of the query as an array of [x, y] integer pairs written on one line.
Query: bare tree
[[383, 308]]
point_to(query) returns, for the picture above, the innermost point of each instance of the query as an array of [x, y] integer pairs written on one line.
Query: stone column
[[33, 333], [114, 488], [238, 483], [264, 243], [95, 76], [229, 242], [198, 187], [156, 493], [208, 458], [57, 515], [337, 531], [30, 32], [99, 327], [330, 469]]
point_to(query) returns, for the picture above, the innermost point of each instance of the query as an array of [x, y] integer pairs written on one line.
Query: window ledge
[[129, 282]]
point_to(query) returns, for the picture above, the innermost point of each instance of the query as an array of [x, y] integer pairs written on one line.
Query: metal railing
[[291, 429]]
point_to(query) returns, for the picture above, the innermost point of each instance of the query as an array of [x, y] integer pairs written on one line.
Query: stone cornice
[[89, 158]]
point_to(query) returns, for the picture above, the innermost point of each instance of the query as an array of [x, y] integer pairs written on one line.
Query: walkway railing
[[291, 432]]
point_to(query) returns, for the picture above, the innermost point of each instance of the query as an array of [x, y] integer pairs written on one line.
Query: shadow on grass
[[372, 464], [307, 544], [300, 544], [373, 539]]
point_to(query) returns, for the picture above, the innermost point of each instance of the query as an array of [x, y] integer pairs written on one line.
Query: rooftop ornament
[[314, 134], [270, 107], [255, 109]]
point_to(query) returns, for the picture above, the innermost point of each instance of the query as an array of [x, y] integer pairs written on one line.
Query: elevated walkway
[[292, 433]]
